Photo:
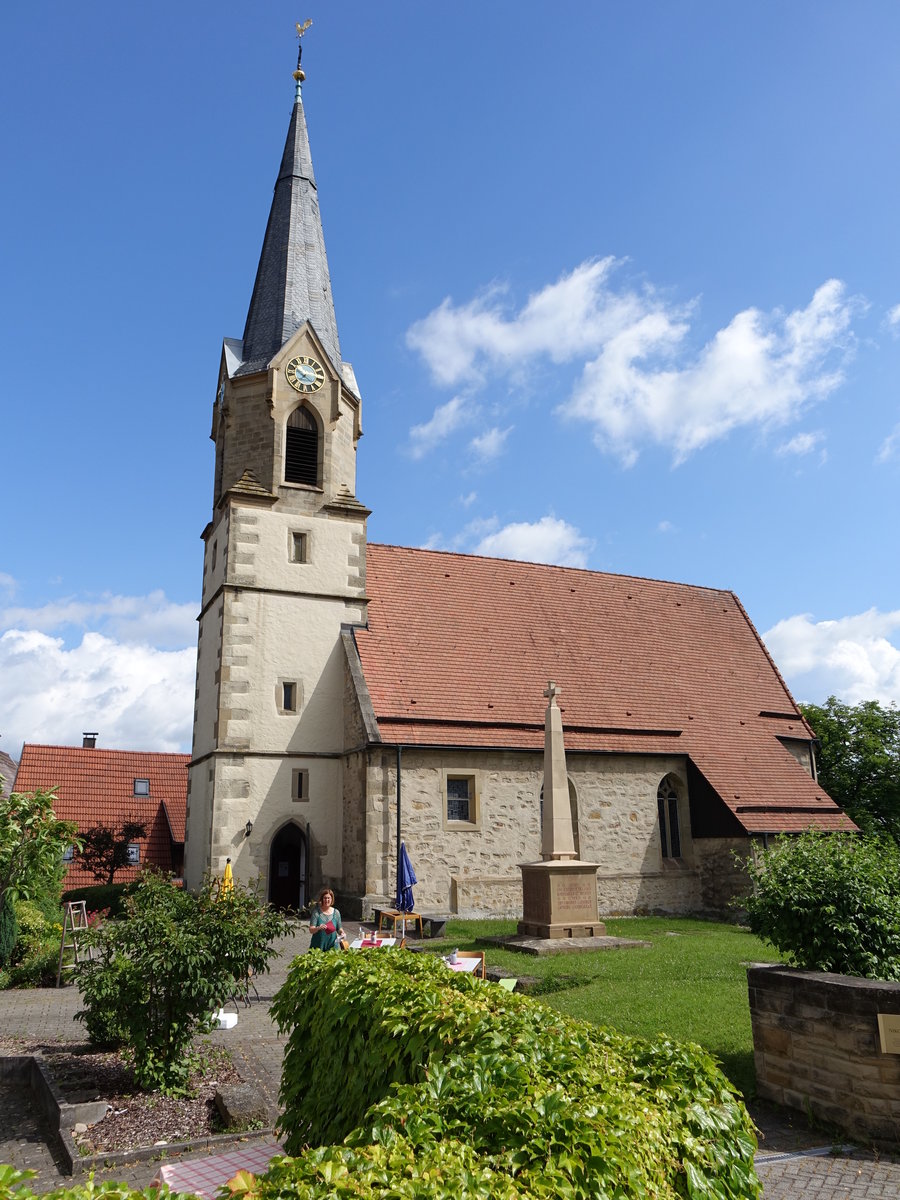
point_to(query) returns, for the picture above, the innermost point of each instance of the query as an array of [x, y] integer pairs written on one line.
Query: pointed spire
[[292, 280]]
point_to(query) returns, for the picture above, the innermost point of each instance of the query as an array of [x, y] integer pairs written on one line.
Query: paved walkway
[[793, 1161]]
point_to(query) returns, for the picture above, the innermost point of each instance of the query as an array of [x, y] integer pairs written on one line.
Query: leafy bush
[[37, 970], [165, 966], [448, 1087], [14, 1185], [9, 928], [35, 933], [111, 896], [830, 902], [35, 958]]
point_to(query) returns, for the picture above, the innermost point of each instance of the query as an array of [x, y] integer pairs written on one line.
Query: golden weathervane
[[301, 29]]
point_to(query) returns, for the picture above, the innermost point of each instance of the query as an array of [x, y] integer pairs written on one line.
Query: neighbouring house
[[349, 695], [7, 773], [111, 787]]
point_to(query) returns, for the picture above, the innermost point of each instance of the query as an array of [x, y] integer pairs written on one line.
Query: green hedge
[[439, 1079], [830, 902], [447, 1088], [101, 895]]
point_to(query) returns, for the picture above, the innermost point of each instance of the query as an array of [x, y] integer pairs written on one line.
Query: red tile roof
[[96, 787], [459, 649]]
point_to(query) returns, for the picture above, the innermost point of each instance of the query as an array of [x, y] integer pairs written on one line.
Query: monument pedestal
[[559, 900]]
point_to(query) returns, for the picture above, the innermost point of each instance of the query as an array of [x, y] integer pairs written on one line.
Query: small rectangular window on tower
[[299, 547], [300, 784], [134, 853], [142, 787], [288, 696]]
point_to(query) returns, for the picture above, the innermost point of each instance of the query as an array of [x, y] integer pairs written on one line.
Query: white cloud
[[641, 383], [491, 443], [758, 370], [666, 527], [149, 620], [571, 317], [890, 447], [7, 583], [548, 540], [892, 320], [128, 672], [136, 696], [802, 444], [445, 420], [854, 658], [469, 499]]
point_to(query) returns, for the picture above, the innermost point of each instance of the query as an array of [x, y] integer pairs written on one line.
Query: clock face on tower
[[304, 374]]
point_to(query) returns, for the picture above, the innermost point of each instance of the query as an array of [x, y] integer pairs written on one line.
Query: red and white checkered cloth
[[205, 1176]]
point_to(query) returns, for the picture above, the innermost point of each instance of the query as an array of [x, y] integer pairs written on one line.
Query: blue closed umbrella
[[406, 877]]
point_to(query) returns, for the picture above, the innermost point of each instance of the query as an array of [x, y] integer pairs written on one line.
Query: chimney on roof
[[88, 741]]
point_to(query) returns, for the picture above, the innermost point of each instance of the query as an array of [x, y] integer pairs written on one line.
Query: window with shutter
[[301, 449]]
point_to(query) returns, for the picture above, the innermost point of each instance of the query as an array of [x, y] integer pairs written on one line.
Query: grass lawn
[[689, 984]]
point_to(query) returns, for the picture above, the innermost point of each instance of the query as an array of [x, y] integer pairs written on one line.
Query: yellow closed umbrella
[[227, 884]]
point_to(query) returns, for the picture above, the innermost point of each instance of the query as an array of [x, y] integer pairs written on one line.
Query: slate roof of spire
[[459, 649], [293, 284]]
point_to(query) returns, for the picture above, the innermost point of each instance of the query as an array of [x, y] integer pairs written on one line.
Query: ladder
[[75, 926]]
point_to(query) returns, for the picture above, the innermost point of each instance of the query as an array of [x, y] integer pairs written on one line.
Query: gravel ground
[[135, 1118]]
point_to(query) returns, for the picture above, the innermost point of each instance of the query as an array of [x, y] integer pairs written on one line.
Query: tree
[[32, 844], [105, 851], [859, 760], [166, 966]]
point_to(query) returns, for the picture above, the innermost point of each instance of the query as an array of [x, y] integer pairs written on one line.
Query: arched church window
[[301, 450], [669, 832]]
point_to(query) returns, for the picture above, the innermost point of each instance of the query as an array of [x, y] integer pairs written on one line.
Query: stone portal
[[559, 894]]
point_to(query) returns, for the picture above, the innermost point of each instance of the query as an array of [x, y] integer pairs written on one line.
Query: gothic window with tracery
[[669, 832]]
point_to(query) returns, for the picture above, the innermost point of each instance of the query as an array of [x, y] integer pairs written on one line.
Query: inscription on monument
[[576, 891], [889, 1031]]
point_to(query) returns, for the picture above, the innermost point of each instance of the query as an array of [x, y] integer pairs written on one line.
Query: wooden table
[[466, 965], [394, 915], [373, 943]]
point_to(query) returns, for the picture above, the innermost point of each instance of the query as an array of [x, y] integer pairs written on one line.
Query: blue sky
[[619, 284]]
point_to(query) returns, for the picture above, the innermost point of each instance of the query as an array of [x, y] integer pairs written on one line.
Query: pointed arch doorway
[[288, 884]]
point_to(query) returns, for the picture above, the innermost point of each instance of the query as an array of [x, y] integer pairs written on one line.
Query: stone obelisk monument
[[559, 893]]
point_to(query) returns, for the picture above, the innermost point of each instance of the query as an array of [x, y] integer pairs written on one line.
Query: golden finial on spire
[[299, 74]]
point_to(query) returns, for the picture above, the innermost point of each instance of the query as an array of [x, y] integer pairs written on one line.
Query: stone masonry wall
[[817, 1047], [473, 869]]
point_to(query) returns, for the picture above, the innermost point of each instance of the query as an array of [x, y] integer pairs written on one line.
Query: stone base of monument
[[559, 900]]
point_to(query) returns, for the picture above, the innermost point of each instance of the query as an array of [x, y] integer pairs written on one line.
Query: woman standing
[[325, 922]]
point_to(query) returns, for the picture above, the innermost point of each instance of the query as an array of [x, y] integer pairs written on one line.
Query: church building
[[351, 695]]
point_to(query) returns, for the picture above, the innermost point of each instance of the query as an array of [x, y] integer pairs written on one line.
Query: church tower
[[283, 568]]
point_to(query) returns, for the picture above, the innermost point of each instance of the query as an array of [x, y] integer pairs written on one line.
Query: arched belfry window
[[669, 831], [301, 449]]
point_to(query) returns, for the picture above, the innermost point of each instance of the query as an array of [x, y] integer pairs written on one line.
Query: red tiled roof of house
[[459, 650], [96, 787]]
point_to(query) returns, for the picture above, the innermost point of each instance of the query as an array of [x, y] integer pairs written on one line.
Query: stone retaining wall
[[817, 1048]]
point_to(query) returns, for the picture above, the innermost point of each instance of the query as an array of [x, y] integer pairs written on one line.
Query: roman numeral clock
[[304, 374]]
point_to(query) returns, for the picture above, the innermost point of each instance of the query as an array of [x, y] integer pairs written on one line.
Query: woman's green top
[[322, 939]]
